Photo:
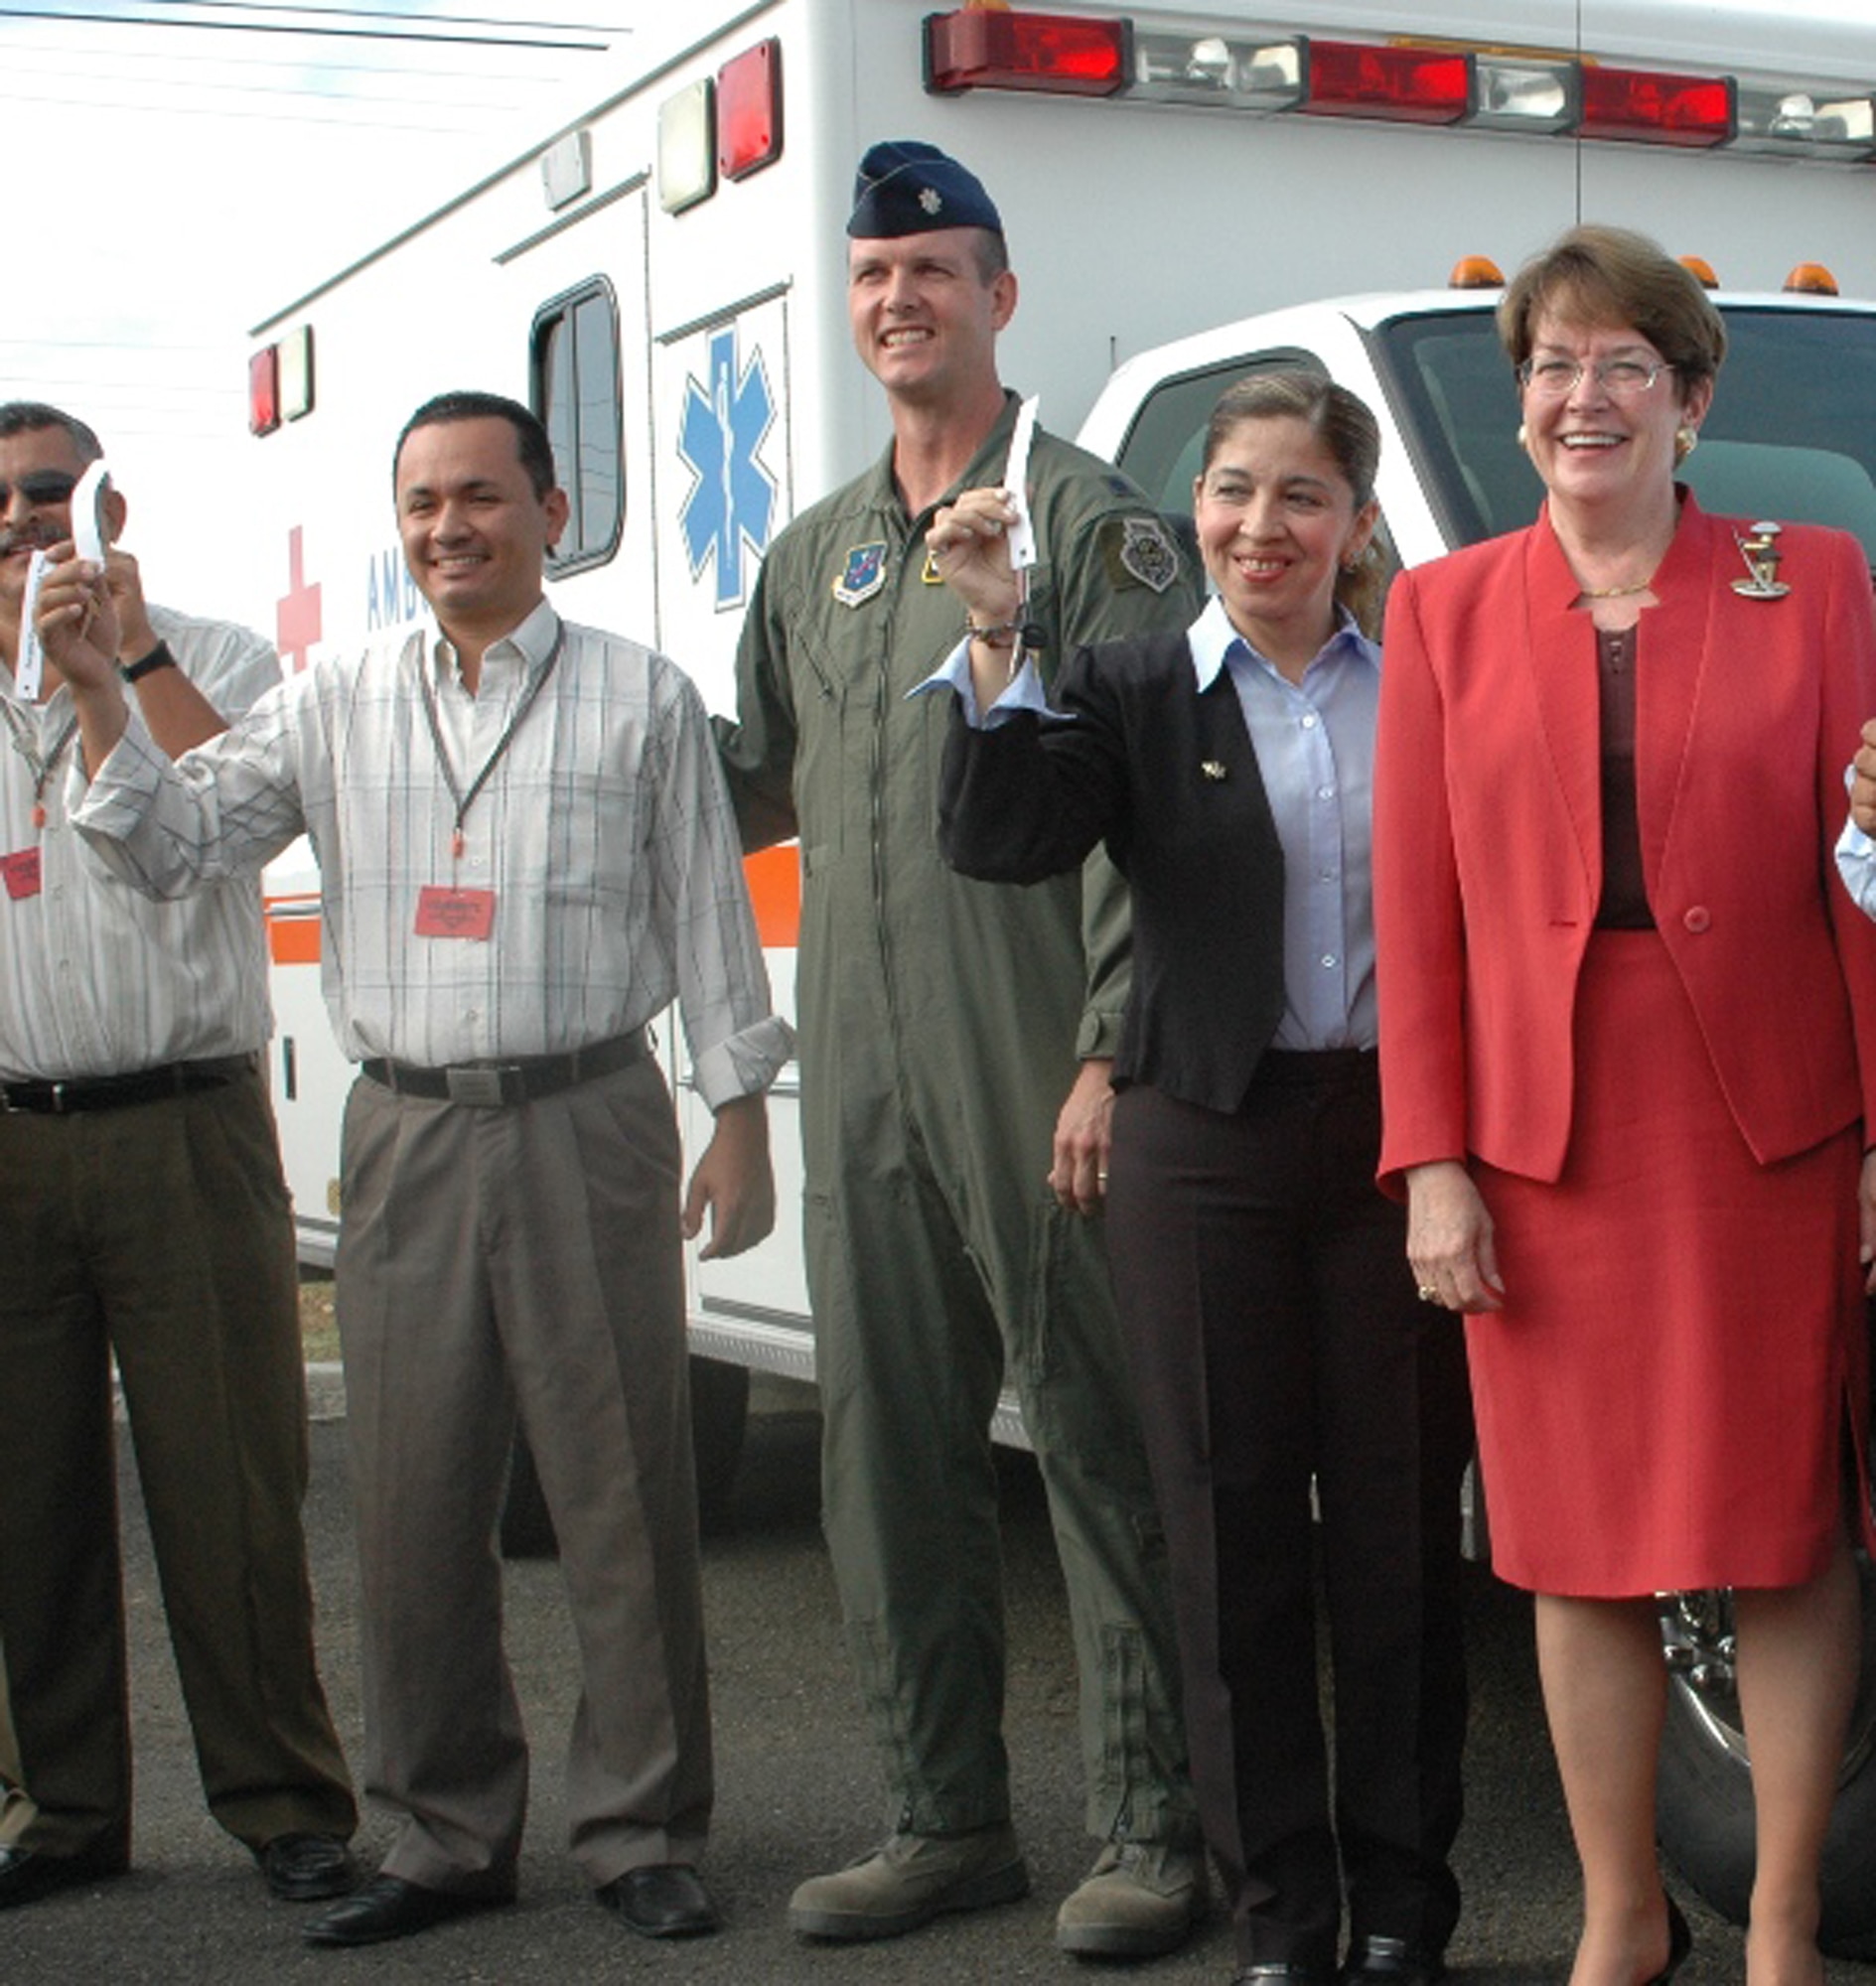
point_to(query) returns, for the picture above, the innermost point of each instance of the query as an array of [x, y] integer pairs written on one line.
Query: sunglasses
[[40, 485]]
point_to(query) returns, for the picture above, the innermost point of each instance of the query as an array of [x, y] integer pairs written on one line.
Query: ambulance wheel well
[[1704, 1806]]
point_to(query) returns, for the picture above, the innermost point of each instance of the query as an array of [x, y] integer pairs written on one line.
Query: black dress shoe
[[667, 1900], [388, 1908], [1391, 1961], [26, 1875], [308, 1868]]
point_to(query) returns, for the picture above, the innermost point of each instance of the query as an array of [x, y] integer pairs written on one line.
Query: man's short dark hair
[[18, 418], [530, 438], [992, 252]]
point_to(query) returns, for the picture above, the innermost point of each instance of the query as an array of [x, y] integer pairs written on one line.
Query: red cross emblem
[[298, 620]]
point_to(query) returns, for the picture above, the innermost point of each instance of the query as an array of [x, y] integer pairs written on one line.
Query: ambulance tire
[[1704, 1811], [719, 1418]]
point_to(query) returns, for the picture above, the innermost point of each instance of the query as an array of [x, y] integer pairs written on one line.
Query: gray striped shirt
[[604, 832], [93, 979]]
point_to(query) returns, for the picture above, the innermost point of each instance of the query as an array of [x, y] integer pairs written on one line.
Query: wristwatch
[[159, 658]]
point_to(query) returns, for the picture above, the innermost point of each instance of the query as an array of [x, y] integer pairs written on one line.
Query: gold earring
[[1523, 436], [1687, 440]]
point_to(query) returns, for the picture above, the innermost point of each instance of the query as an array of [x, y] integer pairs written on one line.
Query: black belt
[[117, 1092], [522, 1080], [1303, 1065]]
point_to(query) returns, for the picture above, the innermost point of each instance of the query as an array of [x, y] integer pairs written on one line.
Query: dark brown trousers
[[159, 1232]]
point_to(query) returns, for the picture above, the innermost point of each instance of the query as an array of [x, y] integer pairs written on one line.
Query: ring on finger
[[1428, 1294]]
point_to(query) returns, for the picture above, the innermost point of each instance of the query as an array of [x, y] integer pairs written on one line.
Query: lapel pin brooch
[[1761, 553], [1212, 768]]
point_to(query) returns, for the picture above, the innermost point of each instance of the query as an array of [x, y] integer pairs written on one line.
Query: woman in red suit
[[1627, 1051]]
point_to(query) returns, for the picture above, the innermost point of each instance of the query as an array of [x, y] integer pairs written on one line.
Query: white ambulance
[[662, 279]]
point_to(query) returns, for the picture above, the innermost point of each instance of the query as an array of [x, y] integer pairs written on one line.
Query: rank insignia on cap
[[1141, 552], [906, 186], [864, 575]]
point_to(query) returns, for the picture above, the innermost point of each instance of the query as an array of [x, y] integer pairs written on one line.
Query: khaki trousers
[[522, 1259]]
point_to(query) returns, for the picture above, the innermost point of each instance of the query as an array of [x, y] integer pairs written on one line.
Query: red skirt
[[1665, 1400]]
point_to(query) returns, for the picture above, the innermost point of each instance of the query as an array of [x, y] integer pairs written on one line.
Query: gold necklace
[[1616, 592]]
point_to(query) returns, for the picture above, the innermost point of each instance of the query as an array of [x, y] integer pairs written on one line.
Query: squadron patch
[[1140, 552], [863, 576]]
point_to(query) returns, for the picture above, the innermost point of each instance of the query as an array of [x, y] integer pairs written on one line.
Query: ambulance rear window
[[1165, 447]]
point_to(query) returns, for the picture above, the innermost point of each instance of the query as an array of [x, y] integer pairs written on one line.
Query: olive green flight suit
[[940, 1022]]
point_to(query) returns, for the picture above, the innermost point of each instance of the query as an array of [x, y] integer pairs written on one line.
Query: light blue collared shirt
[[1024, 692], [1315, 746], [1856, 864]]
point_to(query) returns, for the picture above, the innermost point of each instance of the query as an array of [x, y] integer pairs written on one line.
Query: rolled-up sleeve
[[738, 1045]]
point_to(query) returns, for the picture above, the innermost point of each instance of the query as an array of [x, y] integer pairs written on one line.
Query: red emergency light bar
[[992, 47], [1060, 53], [1406, 85], [1652, 107]]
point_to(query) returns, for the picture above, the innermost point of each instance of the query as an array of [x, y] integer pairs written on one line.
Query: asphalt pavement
[[797, 1791]]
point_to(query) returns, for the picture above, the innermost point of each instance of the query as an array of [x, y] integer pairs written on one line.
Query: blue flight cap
[[907, 186]]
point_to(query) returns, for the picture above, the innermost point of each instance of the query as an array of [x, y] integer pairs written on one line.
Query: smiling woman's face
[[1276, 519], [1598, 443]]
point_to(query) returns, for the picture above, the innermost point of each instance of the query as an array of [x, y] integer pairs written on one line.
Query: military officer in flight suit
[[943, 1024]]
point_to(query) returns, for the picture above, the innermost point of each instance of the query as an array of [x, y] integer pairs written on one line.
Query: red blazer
[[1488, 838]]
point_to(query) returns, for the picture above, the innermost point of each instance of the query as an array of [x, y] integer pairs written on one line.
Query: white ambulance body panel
[[716, 390]]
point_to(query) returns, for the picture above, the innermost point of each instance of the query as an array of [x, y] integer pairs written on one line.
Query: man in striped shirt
[[526, 852], [144, 1217]]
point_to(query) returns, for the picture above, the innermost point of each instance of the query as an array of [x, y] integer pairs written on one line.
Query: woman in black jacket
[[1274, 1333]]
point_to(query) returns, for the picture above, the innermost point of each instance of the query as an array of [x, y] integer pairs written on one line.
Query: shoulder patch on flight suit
[[1139, 551]]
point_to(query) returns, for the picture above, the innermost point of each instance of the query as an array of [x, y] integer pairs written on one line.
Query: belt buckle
[[480, 1089]]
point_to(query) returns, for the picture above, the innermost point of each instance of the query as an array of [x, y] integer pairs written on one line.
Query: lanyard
[[41, 768], [465, 800]]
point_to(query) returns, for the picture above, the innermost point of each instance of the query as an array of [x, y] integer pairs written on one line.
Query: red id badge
[[455, 913], [21, 871]]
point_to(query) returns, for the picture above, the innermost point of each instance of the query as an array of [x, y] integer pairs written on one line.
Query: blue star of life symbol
[[732, 503]]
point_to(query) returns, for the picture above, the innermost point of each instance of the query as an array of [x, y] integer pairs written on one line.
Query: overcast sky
[[172, 181]]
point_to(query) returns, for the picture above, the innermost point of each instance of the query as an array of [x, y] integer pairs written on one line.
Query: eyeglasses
[[1620, 379], [40, 485]]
